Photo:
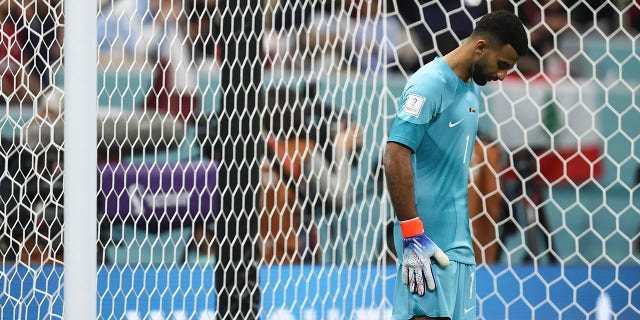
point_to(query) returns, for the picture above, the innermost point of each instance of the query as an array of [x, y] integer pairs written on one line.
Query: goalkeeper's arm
[[399, 176], [417, 247]]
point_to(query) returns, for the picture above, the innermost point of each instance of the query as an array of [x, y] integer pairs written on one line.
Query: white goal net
[[239, 158]]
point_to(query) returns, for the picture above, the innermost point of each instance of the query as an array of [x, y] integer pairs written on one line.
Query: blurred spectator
[[546, 21], [41, 26], [32, 199], [203, 28], [36, 216], [524, 210], [334, 36], [485, 200], [202, 251], [326, 41], [556, 29], [285, 32], [15, 217], [631, 17], [303, 171], [603, 15], [441, 25], [379, 39], [19, 85], [154, 32], [358, 34], [31, 204]]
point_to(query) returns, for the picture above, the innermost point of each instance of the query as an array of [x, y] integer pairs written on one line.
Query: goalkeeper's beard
[[479, 73]]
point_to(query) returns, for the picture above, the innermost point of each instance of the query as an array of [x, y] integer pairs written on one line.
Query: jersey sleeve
[[420, 102]]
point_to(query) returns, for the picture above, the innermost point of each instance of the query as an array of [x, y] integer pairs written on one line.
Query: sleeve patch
[[414, 105]]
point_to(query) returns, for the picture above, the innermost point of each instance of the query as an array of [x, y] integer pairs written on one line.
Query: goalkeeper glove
[[418, 250]]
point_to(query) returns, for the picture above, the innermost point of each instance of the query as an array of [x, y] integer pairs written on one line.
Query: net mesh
[[239, 149]]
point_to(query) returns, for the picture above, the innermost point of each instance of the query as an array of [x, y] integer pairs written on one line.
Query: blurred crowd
[[363, 36], [179, 39], [30, 47]]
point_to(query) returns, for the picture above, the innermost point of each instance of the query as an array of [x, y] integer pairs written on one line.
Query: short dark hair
[[506, 28]]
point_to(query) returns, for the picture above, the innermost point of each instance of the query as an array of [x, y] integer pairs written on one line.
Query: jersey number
[[466, 150], [473, 274]]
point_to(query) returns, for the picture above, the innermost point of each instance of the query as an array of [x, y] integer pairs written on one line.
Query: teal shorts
[[454, 297]]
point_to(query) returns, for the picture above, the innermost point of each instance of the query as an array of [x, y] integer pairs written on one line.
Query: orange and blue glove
[[418, 250]]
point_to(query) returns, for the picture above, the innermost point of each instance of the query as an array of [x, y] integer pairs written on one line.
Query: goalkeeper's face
[[480, 71], [494, 64]]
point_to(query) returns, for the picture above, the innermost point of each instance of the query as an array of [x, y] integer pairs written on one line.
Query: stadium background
[[587, 170]]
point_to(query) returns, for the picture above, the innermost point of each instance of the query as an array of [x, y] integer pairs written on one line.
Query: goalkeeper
[[427, 167]]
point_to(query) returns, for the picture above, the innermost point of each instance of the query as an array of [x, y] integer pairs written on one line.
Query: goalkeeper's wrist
[[411, 228]]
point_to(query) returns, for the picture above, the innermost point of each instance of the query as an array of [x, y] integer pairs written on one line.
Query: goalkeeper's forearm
[[399, 177]]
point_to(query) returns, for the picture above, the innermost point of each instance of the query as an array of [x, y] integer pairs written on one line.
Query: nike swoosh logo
[[453, 124], [467, 310]]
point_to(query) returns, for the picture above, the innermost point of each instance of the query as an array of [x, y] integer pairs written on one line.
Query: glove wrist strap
[[411, 228]]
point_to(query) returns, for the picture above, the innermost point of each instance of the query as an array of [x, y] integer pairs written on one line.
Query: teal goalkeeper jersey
[[437, 118]]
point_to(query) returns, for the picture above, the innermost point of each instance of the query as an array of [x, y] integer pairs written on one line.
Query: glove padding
[[416, 264]]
